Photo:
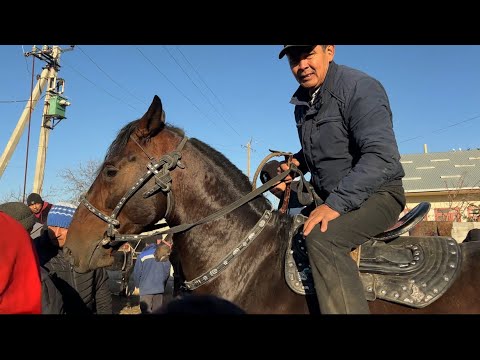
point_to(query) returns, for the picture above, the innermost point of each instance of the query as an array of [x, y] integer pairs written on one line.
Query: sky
[[227, 96]]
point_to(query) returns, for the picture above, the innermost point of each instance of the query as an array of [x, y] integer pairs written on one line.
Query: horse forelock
[[123, 136]]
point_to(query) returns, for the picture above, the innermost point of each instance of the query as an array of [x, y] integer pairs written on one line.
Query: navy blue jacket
[[150, 275], [348, 143]]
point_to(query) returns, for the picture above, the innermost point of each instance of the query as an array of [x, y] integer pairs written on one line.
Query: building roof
[[439, 171]]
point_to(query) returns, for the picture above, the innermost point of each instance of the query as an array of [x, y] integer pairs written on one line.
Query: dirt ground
[[129, 305], [125, 305]]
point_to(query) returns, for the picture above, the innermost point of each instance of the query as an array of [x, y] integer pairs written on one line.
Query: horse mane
[[216, 159], [239, 180]]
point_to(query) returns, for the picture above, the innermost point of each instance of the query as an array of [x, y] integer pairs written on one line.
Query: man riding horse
[[345, 128]]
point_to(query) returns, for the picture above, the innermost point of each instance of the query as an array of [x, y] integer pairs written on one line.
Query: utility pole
[[249, 149], [54, 108], [18, 131]]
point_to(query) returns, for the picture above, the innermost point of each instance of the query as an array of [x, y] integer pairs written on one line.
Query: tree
[[75, 183], [461, 200], [12, 196], [78, 180], [17, 195]]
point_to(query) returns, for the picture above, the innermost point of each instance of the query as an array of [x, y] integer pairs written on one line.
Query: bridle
[[160, 170]]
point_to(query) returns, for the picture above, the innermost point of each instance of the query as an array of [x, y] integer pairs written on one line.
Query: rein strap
[[229, 208], [247, 240]]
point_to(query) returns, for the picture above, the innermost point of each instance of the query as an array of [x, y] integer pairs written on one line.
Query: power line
[[438, 130], [28, 133], [175, 86], [12, 101], [91, 82], [18, 101], [112, 79], [26, 64], [203, 94], [201, 79]]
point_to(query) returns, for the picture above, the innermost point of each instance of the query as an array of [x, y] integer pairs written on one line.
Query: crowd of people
[[34, 234], [36, 277]]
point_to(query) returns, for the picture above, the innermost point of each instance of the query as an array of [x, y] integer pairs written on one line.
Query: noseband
[[160, 170]]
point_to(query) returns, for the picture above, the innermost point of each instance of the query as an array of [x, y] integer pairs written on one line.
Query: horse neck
[[208, 185], [205, 247], [210, 242], [222, 234], [202, 189]]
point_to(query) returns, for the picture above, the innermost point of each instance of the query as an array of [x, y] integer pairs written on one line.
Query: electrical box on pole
[[57, 106]]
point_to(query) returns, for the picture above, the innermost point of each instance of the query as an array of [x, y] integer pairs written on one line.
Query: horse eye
[[110, 171]]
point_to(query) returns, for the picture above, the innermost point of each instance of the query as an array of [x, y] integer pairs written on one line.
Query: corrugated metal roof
[[441, 170]]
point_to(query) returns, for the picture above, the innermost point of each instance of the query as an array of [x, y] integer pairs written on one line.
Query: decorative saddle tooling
[[412, 271]]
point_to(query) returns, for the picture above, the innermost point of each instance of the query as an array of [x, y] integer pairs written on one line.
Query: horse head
[[139, 183], [120, 208]]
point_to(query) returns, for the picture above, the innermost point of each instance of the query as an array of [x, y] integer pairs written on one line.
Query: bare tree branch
[[460, 201], [12, 196], [78, 180], [17, 195]]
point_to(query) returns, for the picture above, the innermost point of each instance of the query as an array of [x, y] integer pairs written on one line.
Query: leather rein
[[160, 170], [163, 181]]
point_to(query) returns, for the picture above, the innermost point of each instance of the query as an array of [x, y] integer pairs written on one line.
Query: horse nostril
[[67, 253]]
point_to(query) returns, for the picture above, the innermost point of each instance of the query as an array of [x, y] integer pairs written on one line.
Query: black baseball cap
[[286, 47]]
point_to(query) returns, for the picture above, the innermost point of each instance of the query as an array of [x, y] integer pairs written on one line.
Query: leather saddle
[[412, 271]]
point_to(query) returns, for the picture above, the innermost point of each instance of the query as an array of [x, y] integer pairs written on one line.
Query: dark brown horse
[[191, 182]]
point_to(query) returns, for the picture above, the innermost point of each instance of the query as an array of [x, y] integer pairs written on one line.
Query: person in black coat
[[83, 293], [344, 124]]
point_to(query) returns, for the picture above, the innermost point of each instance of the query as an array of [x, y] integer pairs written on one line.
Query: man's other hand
[[322, 214]]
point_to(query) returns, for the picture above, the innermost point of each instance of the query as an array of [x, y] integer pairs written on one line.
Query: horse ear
[[154, 119]]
